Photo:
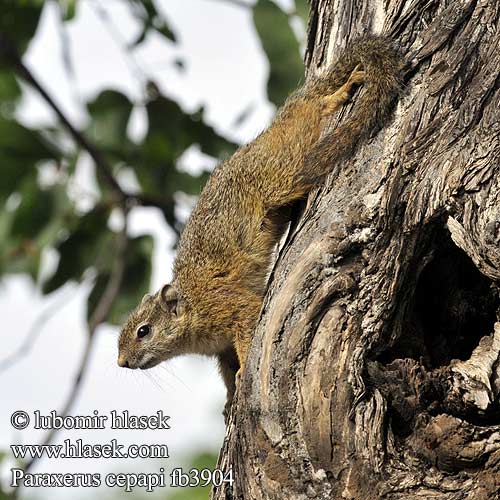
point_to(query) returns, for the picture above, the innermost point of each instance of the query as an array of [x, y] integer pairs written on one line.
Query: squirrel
[[225, 251]]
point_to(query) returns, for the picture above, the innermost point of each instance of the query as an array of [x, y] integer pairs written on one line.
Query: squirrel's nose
[[123, 362]]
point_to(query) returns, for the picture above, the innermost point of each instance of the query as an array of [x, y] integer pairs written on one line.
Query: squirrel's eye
[[143, 330]]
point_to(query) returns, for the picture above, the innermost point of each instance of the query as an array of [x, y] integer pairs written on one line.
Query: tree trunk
[[375, 367]]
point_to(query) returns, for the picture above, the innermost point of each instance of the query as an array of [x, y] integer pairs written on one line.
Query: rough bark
[[374, 371]]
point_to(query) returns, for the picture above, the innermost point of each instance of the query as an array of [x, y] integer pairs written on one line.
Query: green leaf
[[16, 255], [32, 225], [68, 9], [20, 150], [154, 19], [9, 88], [19, 20], [88, 244], [110, 114], [190, 184], [171, 126], [180, 130], [136, 280], [36, 209], [209, 141], [166, 31], [150, 19], [282, 50]]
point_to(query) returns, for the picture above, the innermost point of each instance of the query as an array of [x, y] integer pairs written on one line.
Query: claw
[[357, 76], [227, 411]]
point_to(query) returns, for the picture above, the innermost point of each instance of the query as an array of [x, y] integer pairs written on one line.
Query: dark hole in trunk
[[456, 306], [452, 308]]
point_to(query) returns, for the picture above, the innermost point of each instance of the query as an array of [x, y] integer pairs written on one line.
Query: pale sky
[[225, 71]]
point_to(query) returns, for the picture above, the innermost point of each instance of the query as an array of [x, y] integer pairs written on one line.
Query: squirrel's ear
[[169, 299], [146, 298]]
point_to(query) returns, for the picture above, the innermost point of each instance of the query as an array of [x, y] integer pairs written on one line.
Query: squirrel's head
[[154, 331]]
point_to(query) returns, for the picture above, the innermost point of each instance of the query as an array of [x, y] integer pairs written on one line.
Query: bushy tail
[[383, 67]]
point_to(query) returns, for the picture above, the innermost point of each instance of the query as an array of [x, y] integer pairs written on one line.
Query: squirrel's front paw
[[237, 377], [357, 76], [230, 396]]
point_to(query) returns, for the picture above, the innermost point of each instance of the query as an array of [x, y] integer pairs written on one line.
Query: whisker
[[171, 373]]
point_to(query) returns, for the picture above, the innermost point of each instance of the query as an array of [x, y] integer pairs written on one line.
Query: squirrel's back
[[230, 233]]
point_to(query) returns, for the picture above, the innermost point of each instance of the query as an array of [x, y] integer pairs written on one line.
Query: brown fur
[[225, 251]]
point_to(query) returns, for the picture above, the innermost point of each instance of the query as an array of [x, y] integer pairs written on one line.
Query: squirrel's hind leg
[[294, 177]]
